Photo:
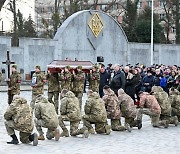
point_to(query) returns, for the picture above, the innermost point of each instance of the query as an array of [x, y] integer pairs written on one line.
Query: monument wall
[[76, 39]]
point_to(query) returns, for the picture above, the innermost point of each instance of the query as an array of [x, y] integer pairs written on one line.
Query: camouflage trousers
[[169, 119], [56, 99], [131, 121], [74, 125], [39, 124], [99, 126], [11, 98], [32, 103], [155, 118], [10, 127], [116, 125], [79, 95], [176, 112]]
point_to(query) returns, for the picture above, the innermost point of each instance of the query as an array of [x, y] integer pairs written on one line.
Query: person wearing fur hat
[[38, 81], [14, 82]]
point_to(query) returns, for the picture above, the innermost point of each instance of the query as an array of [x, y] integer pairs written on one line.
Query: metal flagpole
[[152, 22]]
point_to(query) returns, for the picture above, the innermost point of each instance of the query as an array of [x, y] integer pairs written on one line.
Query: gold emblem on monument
[[96, 25]]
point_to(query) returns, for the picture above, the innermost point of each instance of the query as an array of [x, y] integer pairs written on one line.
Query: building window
[[139, 5], [161, 3], [173, 29], [150, 3], [161, 16], [103, 7], [42, 10], [50, 9]]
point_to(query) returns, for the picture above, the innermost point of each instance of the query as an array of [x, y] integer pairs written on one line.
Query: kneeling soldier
[[95, 113], [19, 117], [47, 117], [70, 111], [113, 110]]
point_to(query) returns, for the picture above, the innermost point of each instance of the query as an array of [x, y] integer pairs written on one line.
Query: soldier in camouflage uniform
[[94, 78], [95, 113], [38, 80], [78, 84], [163, 100], [53, 89], [70, 111], [46, 117], [150, 106], [65, 77], [128, 109], [19, 117], [14, 82], [174, 99], [113, 110]]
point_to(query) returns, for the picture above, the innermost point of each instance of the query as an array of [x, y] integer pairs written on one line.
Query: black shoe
[[139, 124], [35, 139], [13, 142]]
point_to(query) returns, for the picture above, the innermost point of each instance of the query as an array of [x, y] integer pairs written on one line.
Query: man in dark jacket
[[118, 80], [157, 77], [148, 81], [104, 79]]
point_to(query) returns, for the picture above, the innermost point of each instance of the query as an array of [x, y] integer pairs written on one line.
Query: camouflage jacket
[[94, 79], [70, 107], [78, 82], [150, 102], [53, 82], [15, 81], [95, 108], [128, 108], [66, 79], [111, 104], [174, 99], [38, 80], [21, 114], [163, 100], [45, 111]]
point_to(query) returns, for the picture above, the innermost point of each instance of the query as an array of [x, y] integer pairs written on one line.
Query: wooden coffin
[[57, 65]]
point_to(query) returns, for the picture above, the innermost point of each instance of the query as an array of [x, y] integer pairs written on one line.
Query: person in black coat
[[148, 81], [130, 82], [157, 77], [104, 79], [119, 80]]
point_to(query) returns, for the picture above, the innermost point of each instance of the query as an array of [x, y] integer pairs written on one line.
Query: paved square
[[148, 140]]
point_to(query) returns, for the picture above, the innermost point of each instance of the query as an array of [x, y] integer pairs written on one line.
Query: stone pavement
[[148, 140]]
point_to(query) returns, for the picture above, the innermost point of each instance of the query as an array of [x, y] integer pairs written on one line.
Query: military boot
[[91, 131], [65, 133], [41, 137], [84, 131], [56, 134], [128, 128], [139, 124], [164, 123], [176, 122], [108, 129], [14, 140]]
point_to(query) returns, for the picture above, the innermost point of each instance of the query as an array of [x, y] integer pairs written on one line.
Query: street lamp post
[[152, 22]]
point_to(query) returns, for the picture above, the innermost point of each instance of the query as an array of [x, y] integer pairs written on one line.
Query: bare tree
[[168, 18], [2, 3]]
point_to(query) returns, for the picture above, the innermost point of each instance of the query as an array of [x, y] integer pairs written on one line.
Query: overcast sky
[[25, 6]]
